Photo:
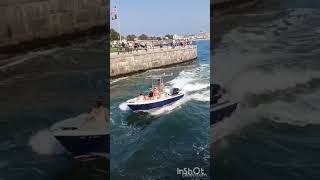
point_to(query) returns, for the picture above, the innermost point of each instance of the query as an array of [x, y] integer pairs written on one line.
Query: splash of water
[[43, 142], [123, 106]]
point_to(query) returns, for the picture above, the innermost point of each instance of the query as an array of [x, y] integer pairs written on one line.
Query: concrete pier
[[124, 64]]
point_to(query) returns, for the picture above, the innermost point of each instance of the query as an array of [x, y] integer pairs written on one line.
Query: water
[[153, 146], [38, 89], [268, 59]]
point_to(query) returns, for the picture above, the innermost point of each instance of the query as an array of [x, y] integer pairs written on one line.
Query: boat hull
[[85, 144], [154, 105], [218, 114]]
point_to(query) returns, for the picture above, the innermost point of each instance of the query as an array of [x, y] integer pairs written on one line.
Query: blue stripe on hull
[[146, 107], [218, 115], [82, 145]]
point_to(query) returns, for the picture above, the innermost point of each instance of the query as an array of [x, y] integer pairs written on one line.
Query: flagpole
[[118, 20]]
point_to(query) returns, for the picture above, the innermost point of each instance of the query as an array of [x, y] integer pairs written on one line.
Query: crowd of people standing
[[124, 46]]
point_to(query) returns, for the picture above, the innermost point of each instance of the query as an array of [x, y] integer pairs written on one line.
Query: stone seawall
[[27, 20], [226, 6], [124, 64]]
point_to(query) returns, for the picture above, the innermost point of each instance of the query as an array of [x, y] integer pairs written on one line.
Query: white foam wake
[[27, 57], [192, 84], [304, 111], [280, 79], [117, 80], [242, 73], [123, 106], [43, 142]]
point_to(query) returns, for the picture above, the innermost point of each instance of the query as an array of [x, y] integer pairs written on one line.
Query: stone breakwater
[[124, 64], [29, 20]]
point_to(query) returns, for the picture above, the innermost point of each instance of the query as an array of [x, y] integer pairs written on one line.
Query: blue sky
[[160, 17]]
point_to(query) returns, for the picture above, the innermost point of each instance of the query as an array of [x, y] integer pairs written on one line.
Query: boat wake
[[263, 89], [261, 82], [302, 112], [277, 84], [194, 86], [117, 80]]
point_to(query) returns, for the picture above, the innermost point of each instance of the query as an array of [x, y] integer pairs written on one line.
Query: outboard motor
[[175, 91]]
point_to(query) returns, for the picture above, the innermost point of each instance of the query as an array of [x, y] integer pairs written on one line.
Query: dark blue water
[[44, 87], [153, 146], [268, 59]]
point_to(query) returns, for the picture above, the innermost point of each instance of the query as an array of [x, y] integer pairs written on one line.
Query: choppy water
[[38, 89], [268, 59], [153, 146]]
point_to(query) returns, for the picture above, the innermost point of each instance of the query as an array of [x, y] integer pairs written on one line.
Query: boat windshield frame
[[155, 78]]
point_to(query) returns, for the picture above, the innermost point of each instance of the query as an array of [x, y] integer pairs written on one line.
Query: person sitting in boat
[[160, 86], [141, 97], [99, 114], [156, 93], [150, 96]]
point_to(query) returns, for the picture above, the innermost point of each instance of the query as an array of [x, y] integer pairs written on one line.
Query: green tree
[[155, 38], [114, 35], [131, 37], [143, 37], [169, 36]]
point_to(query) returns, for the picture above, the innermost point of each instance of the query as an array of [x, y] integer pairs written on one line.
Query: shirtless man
[[99, 113], [160, 86]]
